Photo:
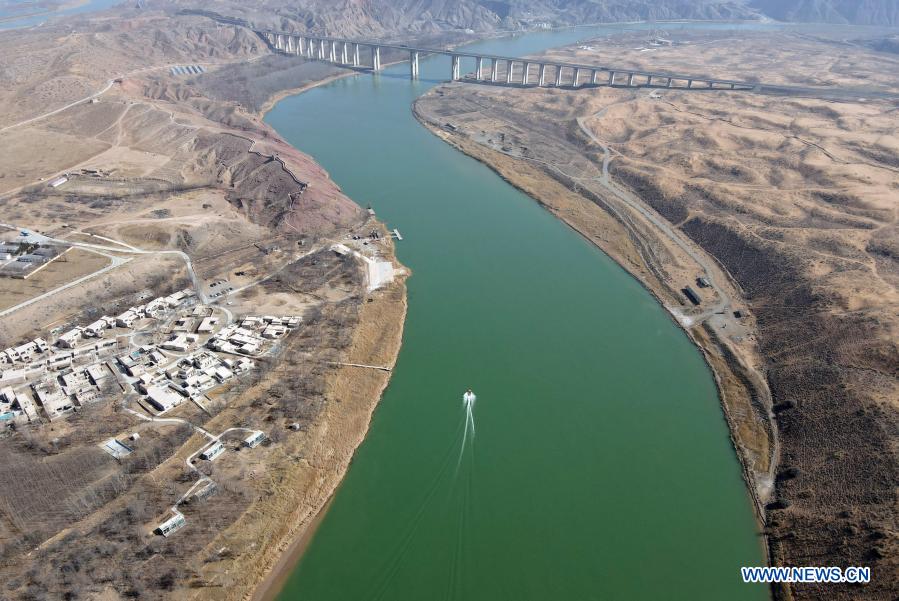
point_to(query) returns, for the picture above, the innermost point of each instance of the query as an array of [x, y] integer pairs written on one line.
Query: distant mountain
[[401, 17], [856, 12], [574, 12], [385, 18]]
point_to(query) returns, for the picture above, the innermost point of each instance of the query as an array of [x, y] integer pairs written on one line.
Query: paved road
[[664, 226], [59, 110], [116, 262]]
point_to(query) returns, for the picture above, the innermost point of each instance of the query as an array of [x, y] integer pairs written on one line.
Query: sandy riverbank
[[282, 524]]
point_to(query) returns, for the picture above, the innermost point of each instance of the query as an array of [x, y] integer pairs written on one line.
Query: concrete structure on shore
[[518, 71]]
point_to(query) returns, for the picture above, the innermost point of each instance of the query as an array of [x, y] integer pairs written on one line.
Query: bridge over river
[[516, 71]]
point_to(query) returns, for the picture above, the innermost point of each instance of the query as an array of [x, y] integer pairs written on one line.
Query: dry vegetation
[[169, 165], [89, 518], [796, 200]]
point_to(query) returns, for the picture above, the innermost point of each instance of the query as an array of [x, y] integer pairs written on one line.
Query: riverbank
[[747, 199], [281, 525], [629, 245]]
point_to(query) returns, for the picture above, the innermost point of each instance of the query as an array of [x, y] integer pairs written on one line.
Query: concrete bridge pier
[[525, 77], [345, 54], [541, 77], [479, 75], [310, 48], [321, 50], [630, 79], [733, 86], [510, 69], [558, 76], [494, 70], [611, 78], [689, 83], [332, 52], [301, 46], [670, 83], [649, 80], [455, 72], [375, 58], [711, 84], [356, 55], [594, 77], [413, 64], [577, 78]]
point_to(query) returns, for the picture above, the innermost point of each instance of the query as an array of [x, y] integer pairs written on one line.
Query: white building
[[274, 331], [222, 373], [163, 397], [69, 339], [126, 319], [97, 328], [205, 360], [179, 343], [207, 325], [97, 372], [212, 451], [253, 440]]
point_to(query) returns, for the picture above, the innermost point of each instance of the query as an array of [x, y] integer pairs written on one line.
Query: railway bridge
[[366, 54]]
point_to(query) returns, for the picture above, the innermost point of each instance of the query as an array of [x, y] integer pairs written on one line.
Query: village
[[201, 349], [169, 351]]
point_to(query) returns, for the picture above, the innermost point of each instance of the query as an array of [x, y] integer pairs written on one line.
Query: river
[[601, 466], [9, 18]]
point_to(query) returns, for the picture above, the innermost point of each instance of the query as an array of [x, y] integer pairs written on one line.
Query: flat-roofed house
[[253, 440], [69, 339], [126, 319], [163, 397], [26, 351], [97, 372], [207, 325], [97, 328], [171, 525], [274, 331]]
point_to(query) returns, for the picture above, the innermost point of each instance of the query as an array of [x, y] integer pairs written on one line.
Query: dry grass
[[71, 266], [795, 199]]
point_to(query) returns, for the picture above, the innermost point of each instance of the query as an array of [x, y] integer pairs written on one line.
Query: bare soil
[[73, 265], [794, 199], [160, 165]]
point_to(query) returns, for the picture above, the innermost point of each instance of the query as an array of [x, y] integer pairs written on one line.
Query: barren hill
[[795, 199], [380, 18]]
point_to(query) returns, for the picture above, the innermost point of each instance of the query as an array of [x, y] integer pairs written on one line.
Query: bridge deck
[[517, 59]]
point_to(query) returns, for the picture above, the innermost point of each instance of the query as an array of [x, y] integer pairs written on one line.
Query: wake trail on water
[[468, 399], [467, 430], [395, 562], [455, 588]]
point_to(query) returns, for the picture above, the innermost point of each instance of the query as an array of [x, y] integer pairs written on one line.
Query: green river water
[[601, 466]]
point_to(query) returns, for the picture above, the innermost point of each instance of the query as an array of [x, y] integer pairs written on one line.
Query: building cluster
[[63, 379], [42, 381], [167, 385], [23, 259], [155, 309], [57, 393], [251, 334]]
